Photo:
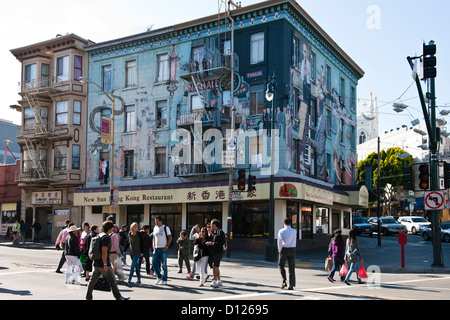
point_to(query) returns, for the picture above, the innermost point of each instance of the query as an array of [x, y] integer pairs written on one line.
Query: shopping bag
[[102, 285], [343, 272], [328, 264], [362, 274], [83, 259]]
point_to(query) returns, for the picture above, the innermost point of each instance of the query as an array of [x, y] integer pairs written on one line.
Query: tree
[[391, 167]]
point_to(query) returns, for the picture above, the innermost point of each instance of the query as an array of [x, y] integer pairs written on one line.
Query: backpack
[[167, 237], [95, 251]]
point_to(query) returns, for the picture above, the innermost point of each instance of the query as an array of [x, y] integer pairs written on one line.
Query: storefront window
[[251, 220], [307, 222], [171, 214], [346, 220], [135, 213], [9, 216], [293, 213], [322, 220], [203, 213]]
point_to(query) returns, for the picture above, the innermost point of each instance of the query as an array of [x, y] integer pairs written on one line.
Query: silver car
[[388, 226], [426, 232]]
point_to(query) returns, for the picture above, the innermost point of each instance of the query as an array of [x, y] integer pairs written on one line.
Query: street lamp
[[270, 96], [84, 80]]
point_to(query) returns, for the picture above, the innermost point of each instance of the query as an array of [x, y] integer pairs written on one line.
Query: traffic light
[[251, 183], [241, 180], [408, 183], [446, 175], [428, 61], [424, 181]]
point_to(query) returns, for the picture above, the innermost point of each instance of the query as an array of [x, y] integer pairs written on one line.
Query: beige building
[[52, 134]]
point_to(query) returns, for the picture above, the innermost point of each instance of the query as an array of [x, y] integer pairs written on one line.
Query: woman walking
[[136, 243], [336, 251], [87, 245], [72, 253], [353, 255], [201, 254]]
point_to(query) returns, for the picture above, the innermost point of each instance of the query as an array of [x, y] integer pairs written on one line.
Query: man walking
[[216, 251], [287, 240], [102, 267], [162, 237]]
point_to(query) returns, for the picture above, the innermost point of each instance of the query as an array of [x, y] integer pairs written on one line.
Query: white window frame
[[257, 47], [163, 71]]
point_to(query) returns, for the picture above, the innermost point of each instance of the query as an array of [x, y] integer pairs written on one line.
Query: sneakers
[[158, 281], [216, 283], [283, 285], [163, 283], [189, 276]]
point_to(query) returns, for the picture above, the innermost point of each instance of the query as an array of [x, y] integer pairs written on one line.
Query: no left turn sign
[[434, 200]]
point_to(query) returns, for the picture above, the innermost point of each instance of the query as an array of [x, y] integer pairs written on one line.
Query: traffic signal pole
[[433, 135]]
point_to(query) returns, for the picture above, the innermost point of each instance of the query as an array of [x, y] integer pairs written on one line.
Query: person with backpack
[[99, 252], [87, 241], [162, 239], [136, 241], [123, 242], [147, 246]]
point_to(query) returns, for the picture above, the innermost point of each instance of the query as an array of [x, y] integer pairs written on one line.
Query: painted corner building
[[174, 90]]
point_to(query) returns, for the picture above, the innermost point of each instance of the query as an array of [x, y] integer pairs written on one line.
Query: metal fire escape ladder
[[41, 128]]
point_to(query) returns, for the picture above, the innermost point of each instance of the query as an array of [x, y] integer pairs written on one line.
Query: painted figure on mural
[[320, 139]]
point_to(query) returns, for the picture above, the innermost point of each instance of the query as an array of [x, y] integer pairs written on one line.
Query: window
[[62, 111], [43, 158], [257, 47], [163, 68], [75, 156], [45, 75], [60, 158], [362, 137], [341, 131], [62, 69], [107, 73], [128, 168], [257, 99], [161, 114], [328, 78], [30, 76], [313, 66], [77, 112], [196, 102], [160, 160], [342, 91], [78, 67], [130, 74], [29, 121], [130, 119], [352, 98], [197, 54], [227, 47], [295, 51], [329, 122], [27, 161]]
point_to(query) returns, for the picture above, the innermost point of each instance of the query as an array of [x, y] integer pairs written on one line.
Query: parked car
[[362, 226], [388, 225], [413, 223], [426, 232]]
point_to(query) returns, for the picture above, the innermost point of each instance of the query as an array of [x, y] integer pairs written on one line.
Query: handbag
[[328, 263], [83, 259], [102, 285], [197, 253], [362, 274], [343, 272]]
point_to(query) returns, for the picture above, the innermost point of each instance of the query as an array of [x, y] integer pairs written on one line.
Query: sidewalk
[[418, 257]]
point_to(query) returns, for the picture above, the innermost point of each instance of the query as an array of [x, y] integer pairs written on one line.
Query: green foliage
[[391, 167]]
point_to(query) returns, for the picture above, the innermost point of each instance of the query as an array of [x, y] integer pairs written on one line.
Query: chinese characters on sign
[[46, 197]]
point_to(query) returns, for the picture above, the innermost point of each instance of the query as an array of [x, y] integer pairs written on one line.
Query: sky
[[377, 34]]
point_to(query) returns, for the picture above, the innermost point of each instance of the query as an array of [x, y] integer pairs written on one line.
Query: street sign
[[229, 159], [434, 200]]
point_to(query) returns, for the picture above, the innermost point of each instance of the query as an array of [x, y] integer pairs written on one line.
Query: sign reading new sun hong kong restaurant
[[203, 194]]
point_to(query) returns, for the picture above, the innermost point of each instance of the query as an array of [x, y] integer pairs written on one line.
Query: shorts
[[214, 260]]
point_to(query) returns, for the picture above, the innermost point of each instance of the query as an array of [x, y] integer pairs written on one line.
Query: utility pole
[[428, 72], [378, 197]]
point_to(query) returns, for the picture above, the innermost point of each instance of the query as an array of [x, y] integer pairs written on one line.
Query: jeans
[[337, 263], [351, 269], [160, 256], [135, 264]]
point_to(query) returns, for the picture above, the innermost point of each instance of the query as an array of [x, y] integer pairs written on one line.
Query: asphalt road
[[29, 274]]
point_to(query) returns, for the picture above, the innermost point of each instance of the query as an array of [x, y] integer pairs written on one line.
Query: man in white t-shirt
[[162, 237]]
